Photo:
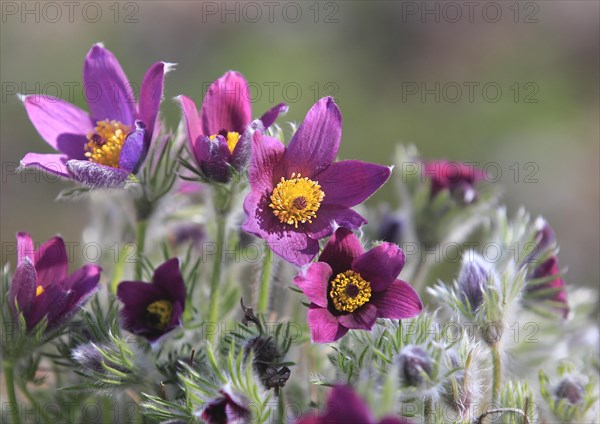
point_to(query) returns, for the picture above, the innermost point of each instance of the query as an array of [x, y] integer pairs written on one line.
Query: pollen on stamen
[[349, 291], [296, 200], [105, 142]]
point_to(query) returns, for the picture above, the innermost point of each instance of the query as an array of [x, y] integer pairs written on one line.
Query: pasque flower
[[298, 191], [104, 147], [41, 286], [219, 137], [344, 406], [152, 310], [457, 177], [350, 289], [226, 409], [546, 284]]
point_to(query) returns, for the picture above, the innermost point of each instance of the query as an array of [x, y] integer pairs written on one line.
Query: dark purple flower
[[473, 278], [41, 286], [350, 289], [219, 136], [344, 406], [225, 409], [457, 177], [102, 148], [152, 310], [299, 192], [544, 239], [571, 389], [413, 362], [545, 284]]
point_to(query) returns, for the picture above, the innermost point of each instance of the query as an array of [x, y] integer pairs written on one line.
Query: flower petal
[[267, 153], [399, 301], [226, 105], [136, 296], [134, 149], [324, 327], [362, 319], [350, 182], [271, 115], [331, 216], [62, 125], [240, 157], [51, 303], [25, 247], [340, 250], [53, 163], [22, 287], [345, 406], [214, 158], [313, 281], [192, 120], [108, 92], [168, 278], [95, 175], [315, 144], [84, 281], [51, 262], [151, 94], [293, 246], [380, 266]]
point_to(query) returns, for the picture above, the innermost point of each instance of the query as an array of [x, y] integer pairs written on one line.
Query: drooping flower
[[475, 274], [299, 192], [344, 406], [546, 285], [219, 137], [413, 363], [104, 147], [41, 286], [457, 177], [152, 310], [350, 289], [227, 409]]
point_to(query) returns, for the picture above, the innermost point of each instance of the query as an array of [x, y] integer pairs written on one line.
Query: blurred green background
[[365, 53]]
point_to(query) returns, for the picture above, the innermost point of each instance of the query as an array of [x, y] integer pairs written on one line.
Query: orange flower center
[[296, 200]]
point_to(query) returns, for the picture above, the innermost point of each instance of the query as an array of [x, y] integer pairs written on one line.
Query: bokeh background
[[367, 54]]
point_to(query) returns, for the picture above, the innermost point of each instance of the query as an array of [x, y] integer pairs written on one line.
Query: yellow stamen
[[232, 139], [160, 314], [39, 290], [296, 200], [105, 142], [349, 291]]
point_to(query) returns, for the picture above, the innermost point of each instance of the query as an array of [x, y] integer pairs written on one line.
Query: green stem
[[428, 410], [140, 235], [265, 278], [9, 377], [281, 413], [215, 288], [497, 373]]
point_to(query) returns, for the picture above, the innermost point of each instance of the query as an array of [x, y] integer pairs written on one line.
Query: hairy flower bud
[[570, 389], [413, 362], [473, 277]]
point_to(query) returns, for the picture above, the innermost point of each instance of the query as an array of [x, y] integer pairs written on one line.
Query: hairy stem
[[9, 377], [428, 411], [213, 310], [265, 278], [497, 373], [140, 235]]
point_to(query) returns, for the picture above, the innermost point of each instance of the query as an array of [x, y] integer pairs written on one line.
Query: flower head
[[219, 137], [414, 362], [41, 286], [570, 389], [152, 310], [473, 278], [546, 284], [104, 147], [350, 289], [226, 409], [457, 177], [344, 406], [299, 192]]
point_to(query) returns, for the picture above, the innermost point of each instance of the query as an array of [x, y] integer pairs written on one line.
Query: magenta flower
[[225, 409], [219, 137], [299, 192], [350, 289], [152, 310], [103, 148], [457, 177], [344, 406], [41, 286], [545, 284]]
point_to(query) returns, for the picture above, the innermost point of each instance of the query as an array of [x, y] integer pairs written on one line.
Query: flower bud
[[391, 228], [472, 279], [570, 389], [413, 362]]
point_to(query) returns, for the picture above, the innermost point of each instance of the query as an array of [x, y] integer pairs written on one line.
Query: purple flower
[[349, 289], [219, 136], [152, 310], [41, 286], [225, 409], [457, 177], [344, 406], [298, 191], [545, 284], [103, 148]]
